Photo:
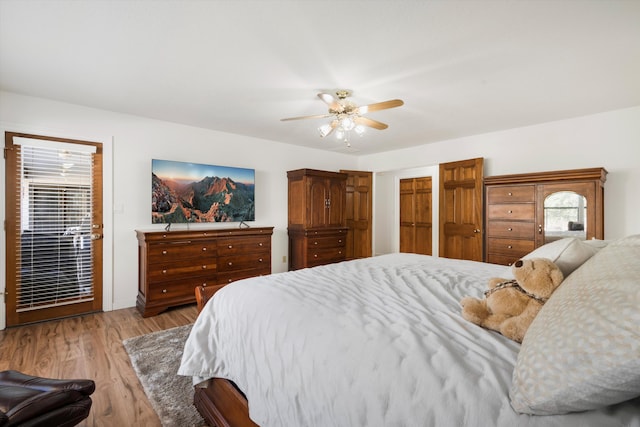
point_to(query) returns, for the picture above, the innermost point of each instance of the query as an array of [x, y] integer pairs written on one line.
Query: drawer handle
[[230, 263], [204, 267], [339, 252], [509, 229], [230, 246], [315, 255], [164, 271], [510, 211], [164, 252], [164, 291], [204, 249], [229, 280], [260, 244], [260, 260], [340, 241], [204, 285], [315, 243], [510, 194], [509, 247]]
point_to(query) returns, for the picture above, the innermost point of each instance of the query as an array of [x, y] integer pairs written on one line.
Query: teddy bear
[[509, 306]]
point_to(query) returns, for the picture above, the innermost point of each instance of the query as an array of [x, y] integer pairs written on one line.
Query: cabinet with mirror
[[525, 211]]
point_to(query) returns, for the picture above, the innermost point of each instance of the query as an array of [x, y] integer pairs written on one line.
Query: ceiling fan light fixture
[[347, 116], [347, 123], [325, 130]]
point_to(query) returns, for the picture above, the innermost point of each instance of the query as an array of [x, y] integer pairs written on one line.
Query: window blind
[[54, 259]]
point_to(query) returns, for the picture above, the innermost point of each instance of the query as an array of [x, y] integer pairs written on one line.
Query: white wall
[[610, 140], [133, 142]]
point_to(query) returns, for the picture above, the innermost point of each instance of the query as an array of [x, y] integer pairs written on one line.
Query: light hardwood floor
[[91, 347]]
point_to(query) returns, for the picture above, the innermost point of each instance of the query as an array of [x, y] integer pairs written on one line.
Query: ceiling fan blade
[[380, 106], [327, 130], [318, 116], [365, 121], [332, 102]]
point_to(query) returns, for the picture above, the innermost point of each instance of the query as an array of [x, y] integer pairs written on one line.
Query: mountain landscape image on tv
[[191, 192]]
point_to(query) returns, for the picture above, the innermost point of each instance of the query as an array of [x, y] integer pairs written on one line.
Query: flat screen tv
[[191, 192]]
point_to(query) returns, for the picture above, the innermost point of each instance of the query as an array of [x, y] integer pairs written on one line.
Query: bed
[[381, 342]]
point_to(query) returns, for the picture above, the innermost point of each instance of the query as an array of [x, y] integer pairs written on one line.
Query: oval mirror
[[565, 215]]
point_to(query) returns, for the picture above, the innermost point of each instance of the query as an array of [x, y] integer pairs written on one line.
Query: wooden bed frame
[[221, 404]]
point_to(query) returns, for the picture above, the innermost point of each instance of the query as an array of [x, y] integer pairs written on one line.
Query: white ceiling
[[462, 67]]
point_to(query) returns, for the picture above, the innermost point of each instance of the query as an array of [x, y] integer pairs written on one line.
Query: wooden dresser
[[515, 209], [317, 221], [172, 263]]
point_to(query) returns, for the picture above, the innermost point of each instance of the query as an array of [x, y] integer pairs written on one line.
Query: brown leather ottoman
[[31, 401]]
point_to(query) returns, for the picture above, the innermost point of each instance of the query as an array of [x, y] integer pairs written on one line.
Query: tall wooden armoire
[[317, 224]]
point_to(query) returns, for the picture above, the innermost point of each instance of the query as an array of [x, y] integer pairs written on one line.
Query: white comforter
[[371, 342]]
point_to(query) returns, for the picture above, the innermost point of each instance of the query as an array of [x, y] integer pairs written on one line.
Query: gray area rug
[[155, 358]]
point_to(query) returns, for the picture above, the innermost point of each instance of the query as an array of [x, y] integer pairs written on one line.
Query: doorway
[[54, 226]]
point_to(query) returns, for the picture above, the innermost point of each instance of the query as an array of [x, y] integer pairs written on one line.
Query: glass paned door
[[54, 230]]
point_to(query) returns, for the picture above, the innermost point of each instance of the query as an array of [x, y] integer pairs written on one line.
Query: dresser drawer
[[177, 289], [323, 256], [511, 194], [323, 261], [243, 262], [238, 246], [326, 242], [501, 259], [232, 276], [511, 211], [181, 268], [161, 252], [511, 229], [511, 247]]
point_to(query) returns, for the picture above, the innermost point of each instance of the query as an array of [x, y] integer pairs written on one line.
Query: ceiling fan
[[347, 116]]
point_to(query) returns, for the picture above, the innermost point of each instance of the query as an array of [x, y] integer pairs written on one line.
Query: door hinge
[[6, 150]]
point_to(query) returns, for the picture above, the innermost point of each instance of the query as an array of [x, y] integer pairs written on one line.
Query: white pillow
[[597, 243], [568, 254], [582, 351]]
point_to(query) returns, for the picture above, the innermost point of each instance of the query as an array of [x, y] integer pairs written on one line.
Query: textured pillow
[[568, 254], [582, 351]]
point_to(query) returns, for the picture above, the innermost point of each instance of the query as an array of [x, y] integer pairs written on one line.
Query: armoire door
[[591, 227], [317, 207], [416, 215], [336, 197], [461, 205], [326, 202]]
